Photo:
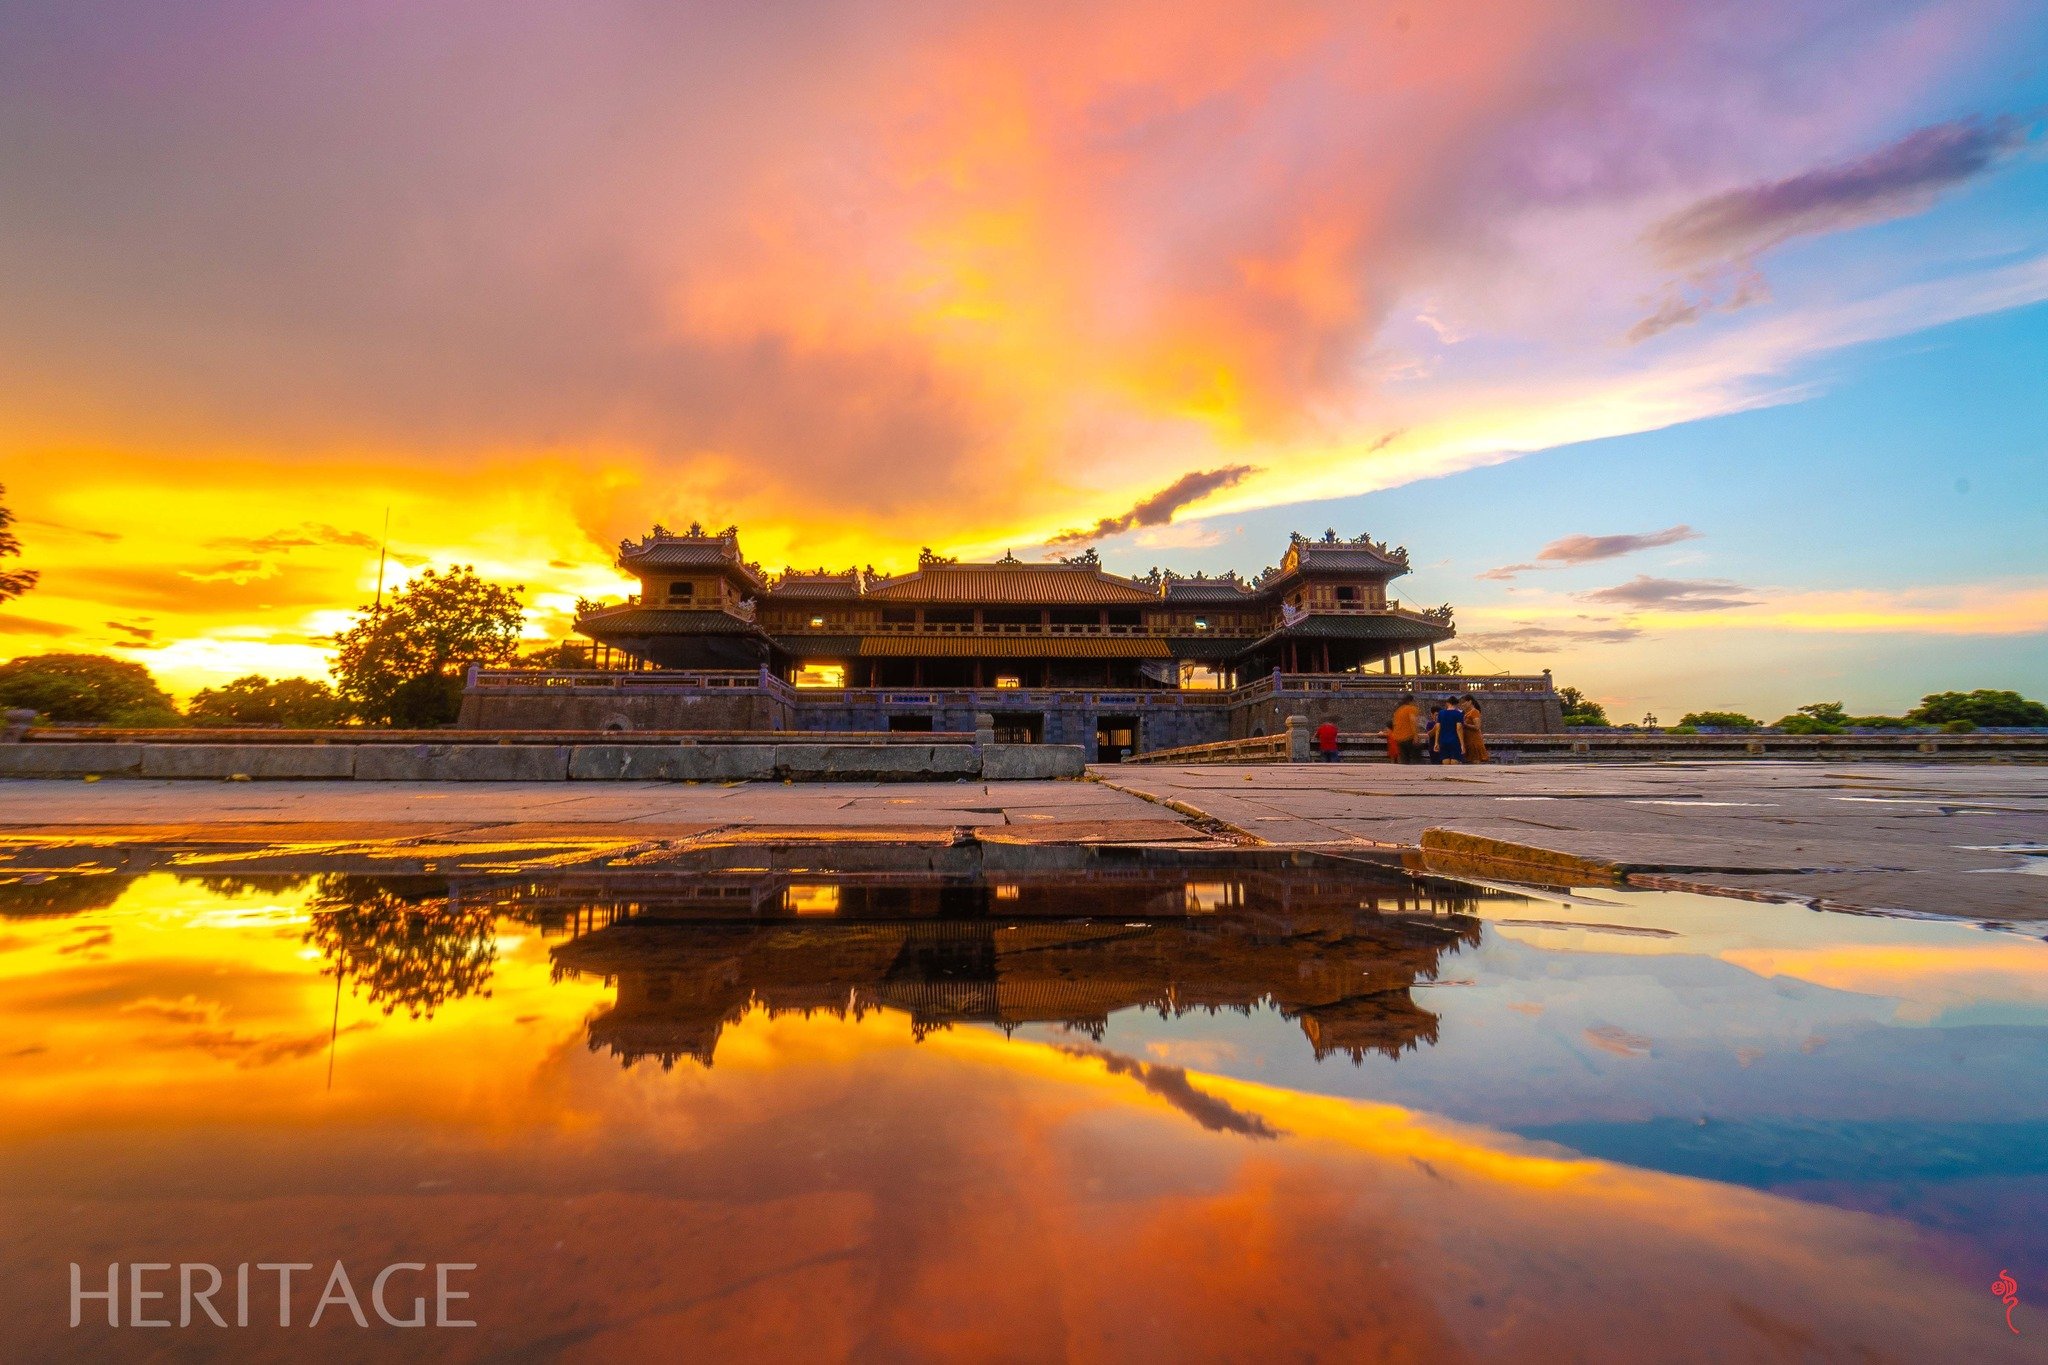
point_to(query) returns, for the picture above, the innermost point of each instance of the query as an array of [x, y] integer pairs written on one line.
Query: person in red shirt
[[1326, 740]]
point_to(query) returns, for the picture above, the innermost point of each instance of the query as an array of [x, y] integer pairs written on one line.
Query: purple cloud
[[1584, 549], [1537, 639], [1673, 594], [1902, 178], [1158, 509]]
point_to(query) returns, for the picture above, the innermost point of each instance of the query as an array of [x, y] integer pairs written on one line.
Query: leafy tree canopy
[[90, 688], [1452, 666], [1981, 707], [296, 703], [394, 664], [13, 582], [1579, 709], [565, 654], [1718, 720], [1816, 718], [400, 943]]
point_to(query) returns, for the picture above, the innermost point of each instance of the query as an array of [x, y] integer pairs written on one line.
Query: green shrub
[[1719, 720], [1801, 724], [1981, 707], [298, 703], [86, 688], [1579, 709], [1959, 727]]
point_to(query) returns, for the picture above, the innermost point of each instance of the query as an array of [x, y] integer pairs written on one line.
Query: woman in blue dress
[[1447, 739]]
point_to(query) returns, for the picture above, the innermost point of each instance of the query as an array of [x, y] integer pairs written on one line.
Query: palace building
[[1066, 623], [1059, 651], [1333, 952]]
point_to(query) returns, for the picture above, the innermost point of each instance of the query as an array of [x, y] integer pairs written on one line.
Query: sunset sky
[[1697, 351]]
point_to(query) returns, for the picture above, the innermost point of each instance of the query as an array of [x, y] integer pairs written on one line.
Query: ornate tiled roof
[[1366, 626], [1035, 584], [1331, 552], [1202, 588], [813, 584], [693, 549]]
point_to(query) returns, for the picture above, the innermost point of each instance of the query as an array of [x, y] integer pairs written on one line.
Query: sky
[[1695, 350]]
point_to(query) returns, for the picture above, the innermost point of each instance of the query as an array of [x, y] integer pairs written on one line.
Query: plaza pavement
[[1968, 840], [1939, 839]]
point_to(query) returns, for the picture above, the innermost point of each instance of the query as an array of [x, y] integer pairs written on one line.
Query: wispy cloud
[[1674, 594], [27, 625], [1904, 177], [61, 528], [304, 536], [1583, 549], [1541, 639], [1158, 509]]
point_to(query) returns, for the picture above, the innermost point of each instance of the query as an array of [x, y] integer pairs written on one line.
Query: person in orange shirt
[[1404, 738]]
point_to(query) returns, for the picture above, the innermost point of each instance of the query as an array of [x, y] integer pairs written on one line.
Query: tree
[[394, 664], [13, 583], [89, 688], [1579, 709], [1452, 666], [297, 703], [1718, 720], [1816, 718], [1981, 707], [402, 942], [565, 654]]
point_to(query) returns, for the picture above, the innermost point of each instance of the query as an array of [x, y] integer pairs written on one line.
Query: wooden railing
[[1011, 698], [1435, 683], [641, 680], [998, 629]]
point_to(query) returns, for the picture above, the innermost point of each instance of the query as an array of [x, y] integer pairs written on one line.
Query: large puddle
[[854, 1103]]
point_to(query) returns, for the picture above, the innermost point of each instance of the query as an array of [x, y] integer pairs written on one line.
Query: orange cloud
[[981, 273]]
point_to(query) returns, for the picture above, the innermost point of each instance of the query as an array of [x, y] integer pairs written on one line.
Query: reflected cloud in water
[[949, 1117]]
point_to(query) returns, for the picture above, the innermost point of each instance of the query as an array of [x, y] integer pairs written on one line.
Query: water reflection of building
[[1335, 952]]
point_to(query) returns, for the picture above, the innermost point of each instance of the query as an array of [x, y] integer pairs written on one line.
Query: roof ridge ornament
[[1089, 557]]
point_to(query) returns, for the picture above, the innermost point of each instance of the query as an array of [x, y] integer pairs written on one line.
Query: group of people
[[1455, 733]]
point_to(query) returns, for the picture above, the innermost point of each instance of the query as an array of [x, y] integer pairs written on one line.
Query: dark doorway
[[1020, 727], [911, 725], [1115, 738]]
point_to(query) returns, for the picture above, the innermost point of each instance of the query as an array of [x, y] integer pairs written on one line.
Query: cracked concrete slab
[[1940, 839]]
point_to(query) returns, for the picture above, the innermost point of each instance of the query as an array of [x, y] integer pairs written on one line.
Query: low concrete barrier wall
[[625, 762], [1646, 747], [1657, 748], [1259, 749]]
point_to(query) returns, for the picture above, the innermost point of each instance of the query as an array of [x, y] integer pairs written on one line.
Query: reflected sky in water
[[1126, 1114]]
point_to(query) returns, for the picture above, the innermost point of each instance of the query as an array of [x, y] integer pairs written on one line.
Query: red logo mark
[[2008, 1291]]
